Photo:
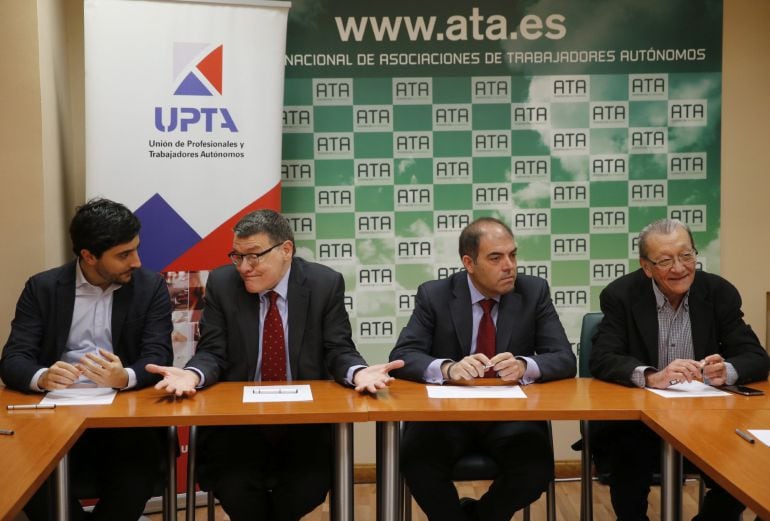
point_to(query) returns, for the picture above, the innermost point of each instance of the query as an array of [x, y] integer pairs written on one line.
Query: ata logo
[[196, 76]]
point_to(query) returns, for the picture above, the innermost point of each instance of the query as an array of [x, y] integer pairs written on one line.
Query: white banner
[[184, 117]]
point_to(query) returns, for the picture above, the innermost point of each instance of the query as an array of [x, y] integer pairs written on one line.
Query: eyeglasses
[[251, 258], [686, 257]]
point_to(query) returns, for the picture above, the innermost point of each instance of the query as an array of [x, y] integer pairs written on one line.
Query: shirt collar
[[661, 300], [476, 295], [282, 288]]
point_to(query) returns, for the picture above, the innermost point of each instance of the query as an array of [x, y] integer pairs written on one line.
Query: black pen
[[6, 432], [32, 406], [745, 435]]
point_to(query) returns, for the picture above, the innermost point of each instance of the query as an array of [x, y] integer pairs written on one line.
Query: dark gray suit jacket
[[441, 326], [141, 325], [320, 342], [627, 336]]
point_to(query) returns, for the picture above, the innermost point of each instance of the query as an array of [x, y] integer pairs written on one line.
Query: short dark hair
[[470, 237], [661, 227], [101, 224], [270, 222]]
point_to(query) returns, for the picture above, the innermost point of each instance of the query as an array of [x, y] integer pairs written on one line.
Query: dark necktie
[[273, 348], [485, 340]]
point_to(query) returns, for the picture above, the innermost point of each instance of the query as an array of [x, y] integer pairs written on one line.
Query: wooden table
[[708, 439], [220, 404], [690, 412], [570, 399], [27, 458], [43, 437]]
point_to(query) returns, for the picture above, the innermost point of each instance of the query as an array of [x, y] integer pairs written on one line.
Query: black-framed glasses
[[251, 258], [686, 257]]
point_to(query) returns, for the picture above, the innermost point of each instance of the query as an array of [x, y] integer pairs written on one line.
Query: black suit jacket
[[441, 326], [320, 342], [141, 325], [627, 337]]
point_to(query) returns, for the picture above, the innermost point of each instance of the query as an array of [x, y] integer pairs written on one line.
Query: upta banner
[[183, 119]]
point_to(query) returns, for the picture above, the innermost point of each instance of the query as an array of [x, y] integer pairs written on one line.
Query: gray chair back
[[587, 332]]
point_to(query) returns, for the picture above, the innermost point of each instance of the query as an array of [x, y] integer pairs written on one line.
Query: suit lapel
[[299, 302], [121, 300], [65, 305], [461, 312], [509, 308], [645, 311], [247, 313], [699, 322]]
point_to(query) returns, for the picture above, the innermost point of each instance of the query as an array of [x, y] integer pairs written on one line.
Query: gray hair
[[661, 227], [269, 222]]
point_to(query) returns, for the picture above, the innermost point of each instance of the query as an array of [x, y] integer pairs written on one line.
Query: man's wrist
[[195, 377], [355, 373], [123, 381], [446, 367], [649, 377]]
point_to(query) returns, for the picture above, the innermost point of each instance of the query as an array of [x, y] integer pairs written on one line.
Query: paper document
[[277, 393], [472, 391], [80, 396], [762, 435], [694, 389]]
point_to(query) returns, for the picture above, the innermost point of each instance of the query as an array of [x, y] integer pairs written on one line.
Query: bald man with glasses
[[665, 324]]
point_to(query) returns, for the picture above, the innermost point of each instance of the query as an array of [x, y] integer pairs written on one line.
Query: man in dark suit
[[271, 316], [96, 320], [484, 321], [666, 324]]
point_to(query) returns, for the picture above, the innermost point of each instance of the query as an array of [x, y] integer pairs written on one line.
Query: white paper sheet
[[277, 393], [80, 396], [473, 391], [762, 435], [694, 389]]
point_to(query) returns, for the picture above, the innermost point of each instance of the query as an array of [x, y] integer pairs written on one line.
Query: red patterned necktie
[[273, 348], [485, 340]]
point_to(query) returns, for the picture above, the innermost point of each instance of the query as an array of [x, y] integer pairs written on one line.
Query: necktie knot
[[273, 296], [487, 305]]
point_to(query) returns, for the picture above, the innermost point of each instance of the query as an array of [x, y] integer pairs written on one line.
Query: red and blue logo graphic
[[199, 77], [197, 72]]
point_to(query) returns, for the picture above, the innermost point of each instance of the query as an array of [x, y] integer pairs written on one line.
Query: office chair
[[477, 466], [587, 331]]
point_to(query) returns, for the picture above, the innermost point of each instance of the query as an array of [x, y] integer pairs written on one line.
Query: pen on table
[[745, 435], [32, 406], [275, 391], [7, 432]]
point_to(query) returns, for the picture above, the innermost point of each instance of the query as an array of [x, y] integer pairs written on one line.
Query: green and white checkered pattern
[[381, 174]]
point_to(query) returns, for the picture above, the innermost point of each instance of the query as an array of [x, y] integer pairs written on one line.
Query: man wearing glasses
[[666, 324], [271, 316]]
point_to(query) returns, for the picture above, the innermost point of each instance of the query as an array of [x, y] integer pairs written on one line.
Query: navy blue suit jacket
[[141, 325], [441, 326]]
